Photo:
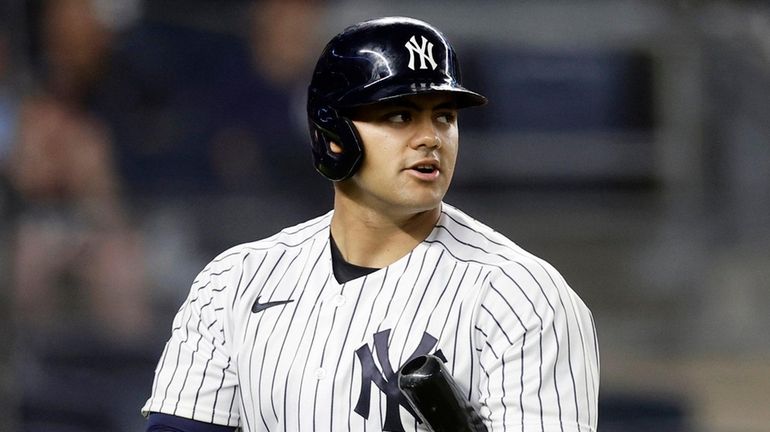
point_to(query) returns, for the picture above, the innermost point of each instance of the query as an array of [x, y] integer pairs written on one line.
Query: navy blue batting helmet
[[369, 62]]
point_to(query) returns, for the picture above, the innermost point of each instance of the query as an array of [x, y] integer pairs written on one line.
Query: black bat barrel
[[436, 398]]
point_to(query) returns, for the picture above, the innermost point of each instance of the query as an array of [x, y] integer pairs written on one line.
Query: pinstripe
[[176, 365], [502, 329], [596, 353], [273, 244], [299, 343], [251, 368], [523, 345], [419, 304], [187, 373], [476, 233], [491, 303], [411, 292], [555, 335], [339, 358], [595, 336], [489, 379], [244, 415], [264, 353], [457, 330], [216, 394], [162, 363], [291, 322], [441, 296], [529, 300], [222, 272], [323, 354], [222, 330], [304, 368], [521, 378], [451, 303], [569, 353], [350, 392], [221, 258], [472, 341], [240, 278], [539, 342], [586, 368], [291, 319], [374, 302], [232, 403], [368, 321], [397, 284], [502, 396], [192, 358], [323, 221], [471, 354], [588, 373], [203, 378], [202, 287]]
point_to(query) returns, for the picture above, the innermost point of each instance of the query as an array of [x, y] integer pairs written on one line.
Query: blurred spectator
[[270, 104], [9, 107], [217, 110], [8, 101], [76, 257], [80, 297], [72, 235]]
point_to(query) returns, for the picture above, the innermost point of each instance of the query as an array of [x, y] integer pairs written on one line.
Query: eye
[[446, 117], [398, 117]]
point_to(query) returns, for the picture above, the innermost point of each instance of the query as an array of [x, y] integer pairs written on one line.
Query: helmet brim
[[464, 98]]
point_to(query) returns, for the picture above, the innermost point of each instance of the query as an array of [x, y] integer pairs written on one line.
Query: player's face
[[410, 150]]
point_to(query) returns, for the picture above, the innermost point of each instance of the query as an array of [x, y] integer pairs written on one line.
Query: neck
[[369, 237]]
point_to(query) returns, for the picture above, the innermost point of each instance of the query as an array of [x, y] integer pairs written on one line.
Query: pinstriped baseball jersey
[[268, 340]]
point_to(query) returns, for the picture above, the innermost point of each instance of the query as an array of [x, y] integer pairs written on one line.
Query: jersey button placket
[[320, 373], [338, 300]]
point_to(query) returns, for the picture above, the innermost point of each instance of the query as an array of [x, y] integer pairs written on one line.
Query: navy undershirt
[[157, 422], [343, 270]]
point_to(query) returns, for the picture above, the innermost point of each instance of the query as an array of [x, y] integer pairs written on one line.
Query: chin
[[426, 203]]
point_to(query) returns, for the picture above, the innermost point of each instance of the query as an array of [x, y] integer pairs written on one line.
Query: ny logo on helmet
[[425, 51]]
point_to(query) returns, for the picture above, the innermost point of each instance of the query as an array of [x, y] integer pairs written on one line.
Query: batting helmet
[[370, 62]]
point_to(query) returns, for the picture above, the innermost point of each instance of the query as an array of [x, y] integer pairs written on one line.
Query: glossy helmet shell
[[370, 62]]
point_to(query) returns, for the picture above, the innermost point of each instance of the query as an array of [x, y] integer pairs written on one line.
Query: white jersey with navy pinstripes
[[268, 340]]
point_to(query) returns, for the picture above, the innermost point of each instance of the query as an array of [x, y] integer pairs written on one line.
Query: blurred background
[[627, 142]]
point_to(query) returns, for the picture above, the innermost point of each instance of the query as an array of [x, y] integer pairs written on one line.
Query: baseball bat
[[436, 397]]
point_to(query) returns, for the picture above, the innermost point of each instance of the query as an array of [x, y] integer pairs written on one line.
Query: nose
[[426, 134]]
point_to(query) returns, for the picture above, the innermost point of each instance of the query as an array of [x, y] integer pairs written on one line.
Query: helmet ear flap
[[327, 126]]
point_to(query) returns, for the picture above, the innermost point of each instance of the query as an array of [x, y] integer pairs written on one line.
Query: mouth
[[426, 169]]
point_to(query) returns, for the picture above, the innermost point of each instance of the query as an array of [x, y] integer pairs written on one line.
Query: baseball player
[[306, 330]]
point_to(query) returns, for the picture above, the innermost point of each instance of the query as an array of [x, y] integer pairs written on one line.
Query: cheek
[[379, 147], [450, 149]]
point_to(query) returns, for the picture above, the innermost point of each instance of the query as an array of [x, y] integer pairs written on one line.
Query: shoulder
[[512, 271], [297, 236], [471, 240]]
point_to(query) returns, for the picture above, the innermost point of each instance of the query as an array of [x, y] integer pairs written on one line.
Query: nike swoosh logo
[[259, 307]]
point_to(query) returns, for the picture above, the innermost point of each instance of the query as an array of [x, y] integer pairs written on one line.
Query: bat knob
[[436, 397]]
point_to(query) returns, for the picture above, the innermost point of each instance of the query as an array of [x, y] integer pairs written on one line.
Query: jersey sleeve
[[195, 377], [538, 353]]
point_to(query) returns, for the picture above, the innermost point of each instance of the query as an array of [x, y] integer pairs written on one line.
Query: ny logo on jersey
[[424, 51], [387, 379]]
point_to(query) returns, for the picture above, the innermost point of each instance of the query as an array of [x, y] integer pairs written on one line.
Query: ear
[[335, 148]]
